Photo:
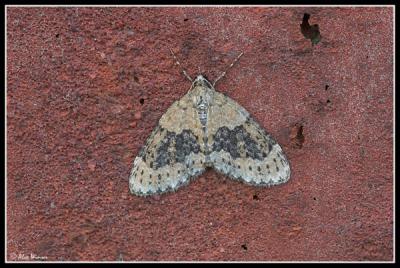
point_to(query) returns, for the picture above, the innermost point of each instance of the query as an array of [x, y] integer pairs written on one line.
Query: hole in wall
[[310, 31], [297, 136]]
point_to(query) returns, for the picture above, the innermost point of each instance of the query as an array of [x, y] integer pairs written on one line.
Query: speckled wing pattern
[[241, 149], [206, 129], [173, 153]]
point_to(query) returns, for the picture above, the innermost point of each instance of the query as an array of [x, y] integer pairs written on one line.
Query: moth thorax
[[202, 107]]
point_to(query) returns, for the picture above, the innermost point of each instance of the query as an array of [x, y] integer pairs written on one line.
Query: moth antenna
[[178, 63], [230, 66]]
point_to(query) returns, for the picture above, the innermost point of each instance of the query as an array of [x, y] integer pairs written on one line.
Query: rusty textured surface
[[86, 86]]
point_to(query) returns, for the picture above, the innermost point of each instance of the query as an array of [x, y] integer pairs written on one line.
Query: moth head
[[201, 81]]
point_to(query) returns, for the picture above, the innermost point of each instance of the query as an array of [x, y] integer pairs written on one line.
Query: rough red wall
[[86, 86]]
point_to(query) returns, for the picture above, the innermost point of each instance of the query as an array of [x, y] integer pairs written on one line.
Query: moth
[[206, 129]]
